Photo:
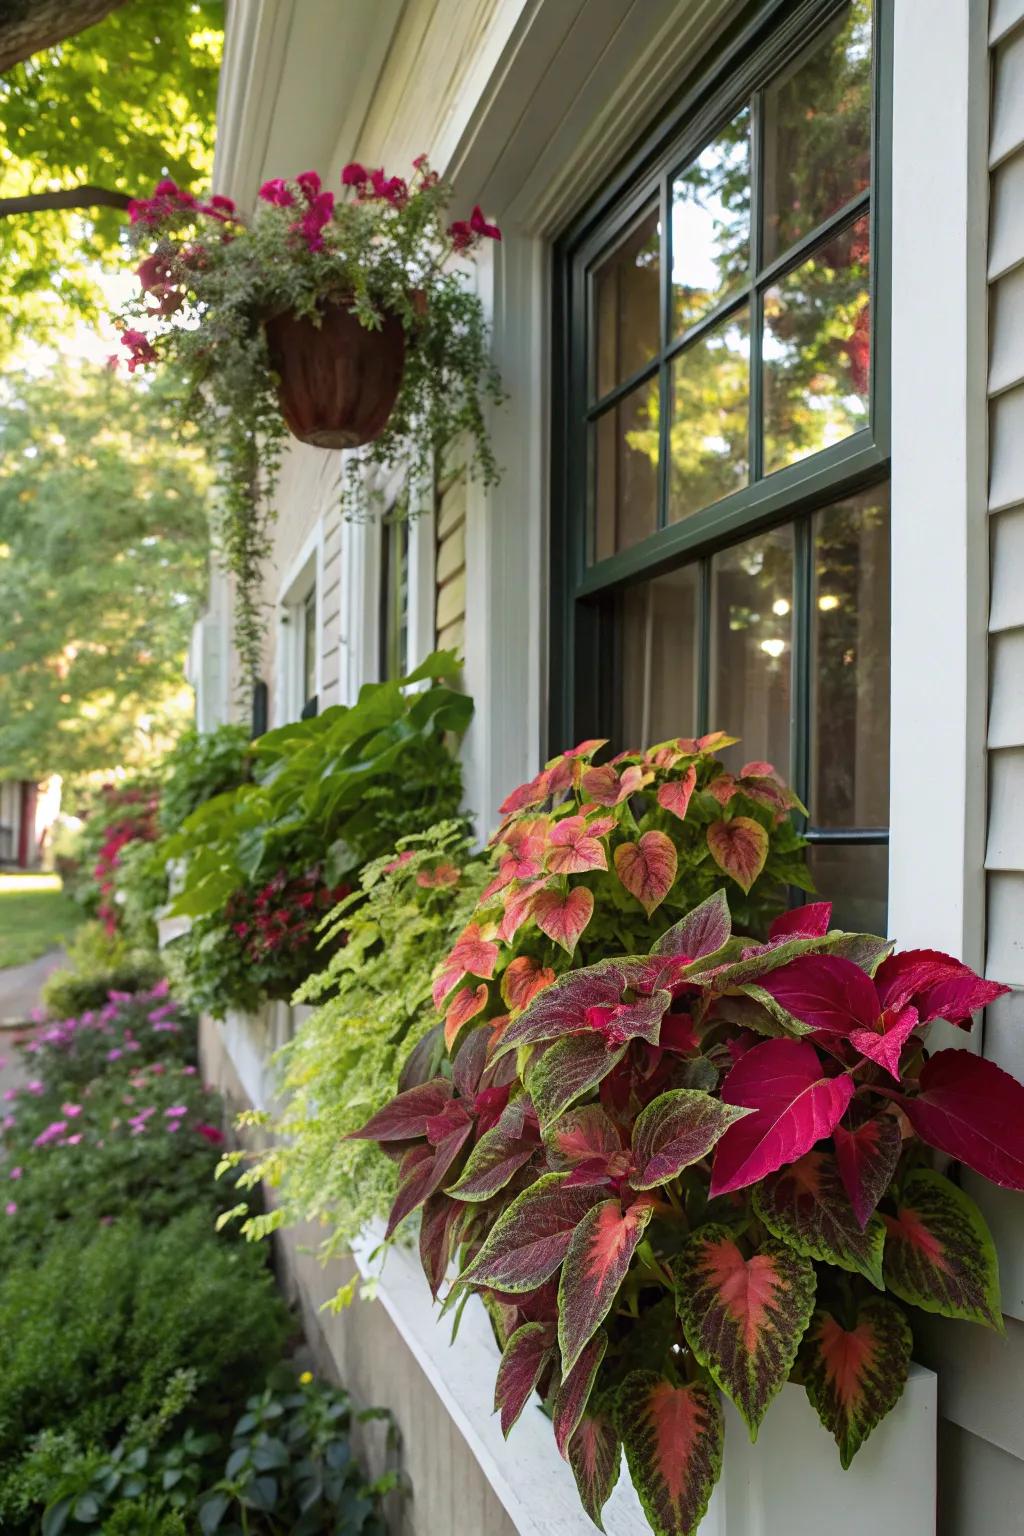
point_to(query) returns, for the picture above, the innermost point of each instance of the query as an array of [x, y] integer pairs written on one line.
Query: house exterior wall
[[527, 106]]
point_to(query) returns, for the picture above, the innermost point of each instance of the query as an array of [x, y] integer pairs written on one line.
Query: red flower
[[391, 189], [319, 213], [277, 192], [461, 235], [354, 175], [218, 207], [212, 1135], [478, 224], [141, 351], [310, 183]]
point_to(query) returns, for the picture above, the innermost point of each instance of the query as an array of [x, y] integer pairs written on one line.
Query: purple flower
[[9, 1094], [35, 1087], [71, 1110], [15, 1173], [115, 1054], [53, 1130], [176, 1110], [72, 1141], [188, 1071], [11, 1208]]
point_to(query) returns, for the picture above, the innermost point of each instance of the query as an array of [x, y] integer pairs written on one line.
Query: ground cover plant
[[35, 917], [701, 1162]]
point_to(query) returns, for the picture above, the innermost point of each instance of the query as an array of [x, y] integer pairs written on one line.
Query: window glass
[[710, 432], [659, 658], [309, 646], [626, 298], [854, 877], [817, 131], [752, 647], [626, 471], [816, 349], [394, 597], [711, 225]]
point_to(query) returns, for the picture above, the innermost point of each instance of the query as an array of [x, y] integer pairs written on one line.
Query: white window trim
[[304, 570]]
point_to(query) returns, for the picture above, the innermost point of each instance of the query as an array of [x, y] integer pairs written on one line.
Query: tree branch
[[67, 197], [29, 26]]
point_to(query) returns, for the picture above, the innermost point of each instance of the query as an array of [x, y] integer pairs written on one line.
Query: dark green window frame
[[585, 687]]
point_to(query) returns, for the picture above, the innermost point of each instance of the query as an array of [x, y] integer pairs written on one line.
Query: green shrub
[[98, 963]]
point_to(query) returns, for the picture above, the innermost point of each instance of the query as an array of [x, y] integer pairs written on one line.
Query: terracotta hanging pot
[[338, 381]]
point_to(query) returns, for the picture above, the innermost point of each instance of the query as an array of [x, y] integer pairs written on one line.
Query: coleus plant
[[703, 1169]]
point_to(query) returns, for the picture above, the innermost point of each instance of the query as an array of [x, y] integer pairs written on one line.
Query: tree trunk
[[66, 197], [28, 26]]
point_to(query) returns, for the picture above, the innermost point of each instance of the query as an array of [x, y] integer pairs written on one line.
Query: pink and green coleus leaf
[[573, 849], [465, 1005], [806, 1206], [972, 1110], [405, 1117], [795, 1104], [854, 1376], [744, 1317], [939, 1253], [528, 1353], [566, 1004], [563, 916], [675, 796], [702, 932], [678, 1128], [595, 1456], [647, 868], [522, 980], [424, 1168], [530, 1238], [567, 1069], [499, 1154], [739, 847], [574, 1392], [519, 906], [605, 786], [596, 1262], [673, 1438], [439, 1226], [580, 1135], [867, 1158]]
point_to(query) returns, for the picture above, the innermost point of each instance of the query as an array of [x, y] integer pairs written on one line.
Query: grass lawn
[[35, 916]]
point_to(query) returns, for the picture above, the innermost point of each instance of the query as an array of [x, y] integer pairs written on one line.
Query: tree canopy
[[103, 559]]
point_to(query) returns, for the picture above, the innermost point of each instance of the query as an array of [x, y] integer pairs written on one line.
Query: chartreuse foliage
[[675, 1161]]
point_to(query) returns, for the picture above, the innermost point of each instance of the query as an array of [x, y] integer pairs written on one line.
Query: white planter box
[[789, 1484]]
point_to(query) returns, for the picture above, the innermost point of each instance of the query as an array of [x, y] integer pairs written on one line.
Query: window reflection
[[817, 139], [626, 296], [752, 647], [711, 224], [659, 658], [817, 348], [626, 471], [854, 877], [710, 427]]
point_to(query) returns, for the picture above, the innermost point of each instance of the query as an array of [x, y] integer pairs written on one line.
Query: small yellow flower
[[305, 1378]]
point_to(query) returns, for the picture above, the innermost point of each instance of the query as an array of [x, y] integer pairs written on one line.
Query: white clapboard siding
[[330, 612], [450, 571]]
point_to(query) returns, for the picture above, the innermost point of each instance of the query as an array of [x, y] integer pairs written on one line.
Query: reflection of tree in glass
[[710, 418], [711, 224]]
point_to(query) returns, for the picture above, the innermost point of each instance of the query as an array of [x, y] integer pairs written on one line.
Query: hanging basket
[[338, 381]]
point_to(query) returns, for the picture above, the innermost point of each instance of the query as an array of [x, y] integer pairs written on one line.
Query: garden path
[[21, 986]]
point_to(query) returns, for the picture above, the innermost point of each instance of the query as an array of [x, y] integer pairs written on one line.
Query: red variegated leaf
[[972, 1110], [884, 1045], [567, 1069], [810, 921], [530, 1238], [938, 986], [465, 1005], [499, 1154], [854, 1376], [599, 1255], [473, 952], [939, 1253], [444, 981], [744, 1317], [739, 847], [518, 907], [673, 1438], [524, 977], [531, 793], [581, 1134], [405, 1117], [528, 1352], [573, 848], [606, 787], [704, 931], [423, 1170], [826, 993], [867, 1158], [647, 868], [758, 770], [676, 1129], [470, 1061], [675, 795], [574, 1392], [595, 1456], [807, 1207], [796, 1105], [563, 917], [439, 1225], [565, 1004]]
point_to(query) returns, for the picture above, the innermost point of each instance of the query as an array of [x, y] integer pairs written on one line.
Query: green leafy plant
[[387, 253], [97, 964]]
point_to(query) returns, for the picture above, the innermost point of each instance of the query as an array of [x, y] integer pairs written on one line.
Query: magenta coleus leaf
[[439, 1226], [526, 1355], [678, 1128], [574, 1392], [939, 1253], [673, 1438], [581, 1134], [884, 1046], [806, 1206], [573, 849], [647, 868], [937, 985], [744, 1317], [704, 931], [530, 1238], [596, 1262], [972, 1110], [595, 1456], [563, 917], [854, 1376], [676, 794], [796, 1104], [565, 1004], [810, 921], [867, 1158], [739, 847], [567, 1069], [523, 979], [826, 993], [499, 1153], [423, 1169], [405, 1117]]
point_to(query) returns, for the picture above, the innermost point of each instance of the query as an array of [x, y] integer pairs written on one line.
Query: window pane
[[659, 658], [855, 878], [711, 224], [752, 647], [817, 153], [710, 417], [850, 664], [817, 341], [309, 646], [626, 304], [626, 471]]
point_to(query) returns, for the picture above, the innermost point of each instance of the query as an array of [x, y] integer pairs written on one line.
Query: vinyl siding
[[450, 571]]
